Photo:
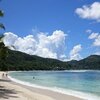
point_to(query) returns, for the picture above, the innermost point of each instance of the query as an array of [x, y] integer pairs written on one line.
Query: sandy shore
[[13, 91]]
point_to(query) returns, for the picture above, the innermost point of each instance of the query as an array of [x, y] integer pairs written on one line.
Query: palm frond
[[1, 13], [2, 26], [1, 37]]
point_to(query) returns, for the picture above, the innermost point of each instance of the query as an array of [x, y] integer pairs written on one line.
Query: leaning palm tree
[[3, 48]]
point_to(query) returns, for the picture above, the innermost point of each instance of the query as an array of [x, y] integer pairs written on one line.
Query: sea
[[81, 83]]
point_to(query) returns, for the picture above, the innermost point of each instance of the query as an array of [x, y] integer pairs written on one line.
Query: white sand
[[16, 92]]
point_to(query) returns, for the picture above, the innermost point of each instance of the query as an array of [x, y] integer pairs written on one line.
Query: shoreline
[[44, 91], [10, 90], [76, 94], [24, 92], [55, 95]]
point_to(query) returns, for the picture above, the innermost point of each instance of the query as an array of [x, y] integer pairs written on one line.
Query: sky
[[59, 29]]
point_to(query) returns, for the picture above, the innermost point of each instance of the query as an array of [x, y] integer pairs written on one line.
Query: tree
[[3, 48], [3, 54]]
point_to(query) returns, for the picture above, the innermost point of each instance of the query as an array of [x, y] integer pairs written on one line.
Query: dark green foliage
[[2, 26], [1, 13], [3, 55], [91, 62], [20, 61], [3, 48]]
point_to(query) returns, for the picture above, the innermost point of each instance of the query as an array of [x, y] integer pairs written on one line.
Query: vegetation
[[1, 15], [3, 55], [91, 62], [20, 61], [3, 48]]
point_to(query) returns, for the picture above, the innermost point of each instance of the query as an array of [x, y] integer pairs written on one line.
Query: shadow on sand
[[5, 80], [7, 93]]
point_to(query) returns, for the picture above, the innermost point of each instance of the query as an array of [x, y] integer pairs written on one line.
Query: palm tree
[[3, 48], [3, 54]]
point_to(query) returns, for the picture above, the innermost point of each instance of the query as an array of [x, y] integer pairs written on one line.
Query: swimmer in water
[[33, 77]]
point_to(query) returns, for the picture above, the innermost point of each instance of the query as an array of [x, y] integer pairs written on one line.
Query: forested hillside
[[20, 61]]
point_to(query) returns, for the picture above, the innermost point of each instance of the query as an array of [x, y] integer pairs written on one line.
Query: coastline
[[30, 93], [57, 91], [10, 90]]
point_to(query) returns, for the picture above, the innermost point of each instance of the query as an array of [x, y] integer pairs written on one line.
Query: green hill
[[91, 62], [20, 61]]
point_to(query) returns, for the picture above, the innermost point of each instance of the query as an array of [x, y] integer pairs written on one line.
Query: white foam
[[82, 70], [82, 95], [76, 70], [59, 71]]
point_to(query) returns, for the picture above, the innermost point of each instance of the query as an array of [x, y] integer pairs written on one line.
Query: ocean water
[[85, 84]]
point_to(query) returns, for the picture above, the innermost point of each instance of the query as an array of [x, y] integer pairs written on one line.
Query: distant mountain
[[72, 62], [20, 61], [91, 62]]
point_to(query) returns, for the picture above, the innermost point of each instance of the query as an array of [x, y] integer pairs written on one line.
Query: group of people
[[4, 75]]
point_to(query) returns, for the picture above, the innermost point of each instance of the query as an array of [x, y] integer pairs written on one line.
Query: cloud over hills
[[74, 53], [48, 46]]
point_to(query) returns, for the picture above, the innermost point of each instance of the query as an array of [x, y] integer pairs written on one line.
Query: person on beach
[[2, 75], [6, 74]]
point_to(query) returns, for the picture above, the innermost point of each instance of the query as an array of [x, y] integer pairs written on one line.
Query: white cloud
[[96, 38], [90, 11], [74, 53], [10, 38], [88, 31], [26, 44], [97, 41], [49, 46], [93, 35], [97, 53]]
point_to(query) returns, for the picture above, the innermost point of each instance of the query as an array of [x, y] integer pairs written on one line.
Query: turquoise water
[[86, 82]]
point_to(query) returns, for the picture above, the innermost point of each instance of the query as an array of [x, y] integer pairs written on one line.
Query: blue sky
[[31, 17]]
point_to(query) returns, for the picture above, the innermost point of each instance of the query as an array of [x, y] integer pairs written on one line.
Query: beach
[[10, 90]]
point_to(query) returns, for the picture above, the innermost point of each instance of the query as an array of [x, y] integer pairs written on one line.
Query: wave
[[86, 96], [82, 70], [59, 71]]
